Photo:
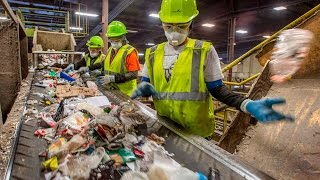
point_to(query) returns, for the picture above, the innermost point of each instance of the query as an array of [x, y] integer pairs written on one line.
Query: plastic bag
[[79, 167], [133, 175], [170, 173], [60, 149], [290, 50], [94, 110], [51, 164], [55, 147], [77, 121], [108, 120]]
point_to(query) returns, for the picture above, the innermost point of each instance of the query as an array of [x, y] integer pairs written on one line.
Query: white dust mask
[[116, 45], [176, 38]]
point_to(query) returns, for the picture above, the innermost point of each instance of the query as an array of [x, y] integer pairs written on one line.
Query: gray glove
[[104, 80], [83, 70], [96, 72]]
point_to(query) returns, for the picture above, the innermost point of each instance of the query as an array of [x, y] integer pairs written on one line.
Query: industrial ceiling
[[255, 19]]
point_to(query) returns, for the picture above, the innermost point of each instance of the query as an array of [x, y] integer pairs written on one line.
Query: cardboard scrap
[[64, 91]]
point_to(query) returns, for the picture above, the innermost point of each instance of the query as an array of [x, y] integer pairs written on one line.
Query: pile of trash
[[52, 59], [90, 138]]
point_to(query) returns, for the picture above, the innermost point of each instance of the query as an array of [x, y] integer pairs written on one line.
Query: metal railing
[[293, 24], [242, 82]]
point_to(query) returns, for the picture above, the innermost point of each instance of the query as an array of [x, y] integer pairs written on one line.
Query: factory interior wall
[[10, 73]]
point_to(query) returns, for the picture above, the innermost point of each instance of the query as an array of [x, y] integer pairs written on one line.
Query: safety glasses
[[176, 27], [115, 40]]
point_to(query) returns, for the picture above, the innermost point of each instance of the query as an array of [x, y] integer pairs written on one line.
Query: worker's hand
[[96, 72], [144, 89], [70, 67], [104, 80], [83, 70], [262, 110]]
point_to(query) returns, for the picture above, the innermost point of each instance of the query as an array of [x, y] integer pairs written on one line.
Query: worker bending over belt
[[93, 60], [122, 63], [183, 72]]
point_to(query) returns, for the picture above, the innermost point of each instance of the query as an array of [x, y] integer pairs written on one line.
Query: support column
[[105, 13], [231, 42]]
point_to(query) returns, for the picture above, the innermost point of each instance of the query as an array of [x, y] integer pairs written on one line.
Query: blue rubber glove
[[144, 89], [262, 110]]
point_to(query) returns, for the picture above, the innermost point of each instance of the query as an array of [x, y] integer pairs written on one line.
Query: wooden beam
[[22, 30], [8, 9]]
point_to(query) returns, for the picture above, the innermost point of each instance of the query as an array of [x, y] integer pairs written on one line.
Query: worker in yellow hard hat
[[122, 62], [93, 60], [181, 74]]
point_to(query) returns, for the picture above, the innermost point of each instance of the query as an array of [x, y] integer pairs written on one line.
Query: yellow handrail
[[242, 82], [262, 44]]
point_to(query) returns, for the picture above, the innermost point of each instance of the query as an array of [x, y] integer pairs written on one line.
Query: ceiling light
[[86, 14], [234, 44], [2, 17], [131, 31], [76, 28], [267, 36], [279, 8], [240, 31], [150, 44], [220, 58], [140, 54], [154, 15], [208, 25]]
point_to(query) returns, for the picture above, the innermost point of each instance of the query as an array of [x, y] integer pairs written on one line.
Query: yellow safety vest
[[118, 66], [185, 98], [87, 58]]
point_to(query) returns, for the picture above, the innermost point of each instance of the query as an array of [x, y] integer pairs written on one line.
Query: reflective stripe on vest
[[181, 96]]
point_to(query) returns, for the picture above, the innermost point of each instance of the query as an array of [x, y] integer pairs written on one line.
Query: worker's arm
[[95, 66], [218, 90], [133, 67], [213, 77], [260, 109], [79, 64]]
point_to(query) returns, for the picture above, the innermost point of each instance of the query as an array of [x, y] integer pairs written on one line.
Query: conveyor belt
[[193, 152]]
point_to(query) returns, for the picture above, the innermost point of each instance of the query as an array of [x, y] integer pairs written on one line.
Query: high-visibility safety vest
[[184, 98], [100, 59], [118, 66]]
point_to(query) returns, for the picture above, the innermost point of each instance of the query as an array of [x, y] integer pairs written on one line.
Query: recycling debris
[[291, 48], [52, 59], [89, 137]]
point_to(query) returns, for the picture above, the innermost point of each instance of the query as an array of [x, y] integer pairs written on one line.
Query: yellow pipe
[[242, 82], [259, 46]]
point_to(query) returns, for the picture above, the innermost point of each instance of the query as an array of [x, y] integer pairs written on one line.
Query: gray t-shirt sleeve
[[145, 71], [212, 68]]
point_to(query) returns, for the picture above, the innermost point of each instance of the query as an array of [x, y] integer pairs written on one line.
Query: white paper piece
[[98, 101], [131, 165]]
